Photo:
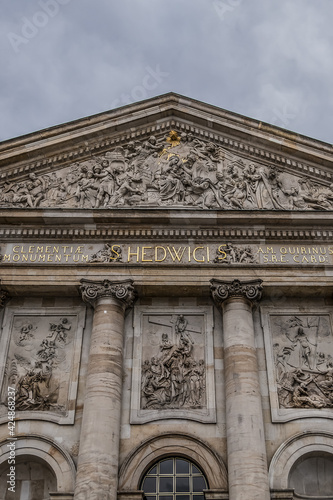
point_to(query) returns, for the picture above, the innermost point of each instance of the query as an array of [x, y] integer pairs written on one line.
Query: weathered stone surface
[[213, 196]]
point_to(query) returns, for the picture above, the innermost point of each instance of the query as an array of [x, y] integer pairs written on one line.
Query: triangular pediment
[[168, 152]]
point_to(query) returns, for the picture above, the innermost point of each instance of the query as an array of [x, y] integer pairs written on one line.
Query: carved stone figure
[[37, 356], [304, 375], [236, 254], [172, 171], [173, 378], [110, 253]]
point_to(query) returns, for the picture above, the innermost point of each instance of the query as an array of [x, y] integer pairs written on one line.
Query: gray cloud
[[268, 60]]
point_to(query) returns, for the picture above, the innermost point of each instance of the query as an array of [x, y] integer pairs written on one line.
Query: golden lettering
[[85, 258], [260, 250], [22, 249], [156, 254], [33, 259], [40, 249], [313, 259], [31, 249], [222, 252], [322, 250], [67, 256], [55, 249], [283, 250], [41, 257], [79, 249], [133, 253], [314, 250], [194, 252], [295, 257], [265, 258], [57, 258], [6, 258], [76, 258], [113, 250], [49, 257], [303, 250], [207, 254], [14, 248], [330, 250], [16, 257], [189, 254], [48, 249], [178, 255], [322, 258], [144, 255], [274, 258], [25, 258], [270, 249], [305, 259]]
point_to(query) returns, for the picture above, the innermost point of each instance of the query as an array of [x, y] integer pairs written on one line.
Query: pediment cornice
[[166, 153]]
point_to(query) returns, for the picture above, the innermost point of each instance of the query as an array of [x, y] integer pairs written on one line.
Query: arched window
[[174, 479]]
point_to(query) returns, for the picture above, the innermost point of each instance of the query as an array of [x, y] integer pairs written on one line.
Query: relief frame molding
[[278, 355], [79, 315], [205, 414]]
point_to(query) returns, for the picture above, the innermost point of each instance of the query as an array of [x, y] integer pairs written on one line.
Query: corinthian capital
[[4, 297], [120, 290], [223, 290]]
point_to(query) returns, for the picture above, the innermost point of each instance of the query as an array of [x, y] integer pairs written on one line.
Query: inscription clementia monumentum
[[173, 171]]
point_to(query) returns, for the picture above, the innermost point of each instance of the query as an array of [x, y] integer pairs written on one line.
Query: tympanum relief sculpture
[[177, 170], [173, 367], [303, 360], [40, 362]]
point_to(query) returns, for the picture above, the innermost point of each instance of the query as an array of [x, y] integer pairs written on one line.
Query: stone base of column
[[216, 495], [130, 495], [61, 496], [282, 494]]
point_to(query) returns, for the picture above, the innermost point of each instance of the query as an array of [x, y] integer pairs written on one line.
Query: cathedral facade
[[166, 308]]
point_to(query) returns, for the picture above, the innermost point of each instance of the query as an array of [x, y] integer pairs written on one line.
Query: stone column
[[247, 463], [97, 474]]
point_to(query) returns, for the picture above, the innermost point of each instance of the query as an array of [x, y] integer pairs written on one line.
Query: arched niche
[[152, 450], [33, 479], [288, 459], [40, 449]]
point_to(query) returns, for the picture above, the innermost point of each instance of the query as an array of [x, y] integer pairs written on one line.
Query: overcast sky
[[267, 59]]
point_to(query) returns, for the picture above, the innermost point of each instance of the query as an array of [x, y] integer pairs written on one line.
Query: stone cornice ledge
[[258, 236]]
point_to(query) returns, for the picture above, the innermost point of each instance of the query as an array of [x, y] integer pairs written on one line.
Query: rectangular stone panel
[[299, 352], [173, 364], [40, 353]]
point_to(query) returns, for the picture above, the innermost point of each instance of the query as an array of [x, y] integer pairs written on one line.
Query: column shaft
[[247, 462], [97, 475]]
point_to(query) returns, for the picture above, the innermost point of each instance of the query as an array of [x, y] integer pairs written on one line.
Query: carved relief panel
[[40, 355], [173, 372], [177, 170], [299, 349]]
